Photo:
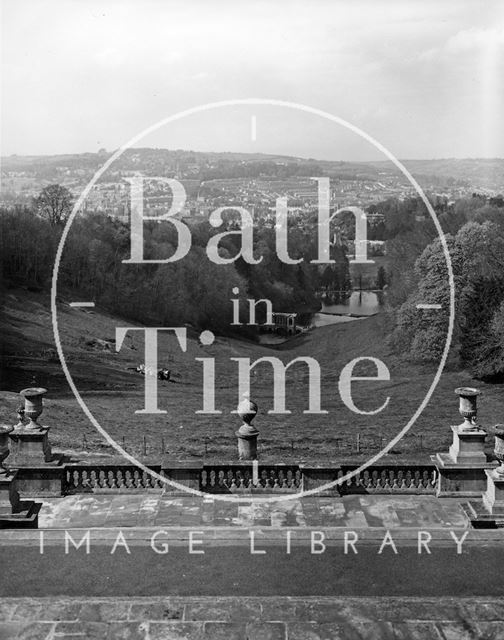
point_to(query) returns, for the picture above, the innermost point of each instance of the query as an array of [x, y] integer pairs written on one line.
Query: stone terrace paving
[[248, 618], [268, 618], [155, 510], [252, 618]]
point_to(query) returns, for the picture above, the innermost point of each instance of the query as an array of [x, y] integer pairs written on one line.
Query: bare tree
[[54, 203]]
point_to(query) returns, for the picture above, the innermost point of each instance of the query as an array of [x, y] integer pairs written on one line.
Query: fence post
[[358, 443]]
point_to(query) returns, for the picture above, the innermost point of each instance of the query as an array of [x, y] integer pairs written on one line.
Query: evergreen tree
[[381, 278]]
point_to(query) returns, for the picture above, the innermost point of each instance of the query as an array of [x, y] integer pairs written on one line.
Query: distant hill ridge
[[456, 167]]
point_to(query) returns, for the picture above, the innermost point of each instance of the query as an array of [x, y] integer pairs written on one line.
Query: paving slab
[[215, 595], [275, 618], [353, 511]]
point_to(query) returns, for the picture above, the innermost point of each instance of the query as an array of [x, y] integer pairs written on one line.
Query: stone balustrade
[[240, 478], [461, 472], [397, 478], [99, 478]]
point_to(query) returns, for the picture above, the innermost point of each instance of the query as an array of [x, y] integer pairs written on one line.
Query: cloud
[[472, 40], [475, 39], [77, 71]]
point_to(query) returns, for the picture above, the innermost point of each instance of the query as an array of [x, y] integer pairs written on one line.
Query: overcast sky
[[424, 77]]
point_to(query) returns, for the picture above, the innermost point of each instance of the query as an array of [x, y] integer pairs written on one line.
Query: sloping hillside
[[114, 391]]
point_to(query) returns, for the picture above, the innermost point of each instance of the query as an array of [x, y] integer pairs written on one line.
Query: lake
[[360, 303]]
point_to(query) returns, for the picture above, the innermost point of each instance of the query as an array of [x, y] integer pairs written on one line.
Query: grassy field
[[113, 393]]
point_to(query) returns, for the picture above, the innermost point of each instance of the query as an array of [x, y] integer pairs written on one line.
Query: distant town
[[254, 181]]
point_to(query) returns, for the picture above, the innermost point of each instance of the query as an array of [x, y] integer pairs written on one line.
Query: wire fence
[[215, 446]]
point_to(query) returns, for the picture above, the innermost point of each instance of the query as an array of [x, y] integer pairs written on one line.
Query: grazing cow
[[162, 374]]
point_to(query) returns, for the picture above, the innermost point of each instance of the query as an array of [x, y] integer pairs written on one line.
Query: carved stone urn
[[468, 408], [499, 448], [33, 405], [5, 429], [247, 434], [30, 440]]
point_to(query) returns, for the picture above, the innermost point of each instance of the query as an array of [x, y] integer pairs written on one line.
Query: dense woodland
[[196, 291], [193, 290], [474, 233]]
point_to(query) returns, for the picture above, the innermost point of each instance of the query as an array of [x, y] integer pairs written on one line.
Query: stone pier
[[461, 471]]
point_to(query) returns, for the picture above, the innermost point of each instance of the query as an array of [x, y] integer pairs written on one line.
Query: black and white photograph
[[252, 320]]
